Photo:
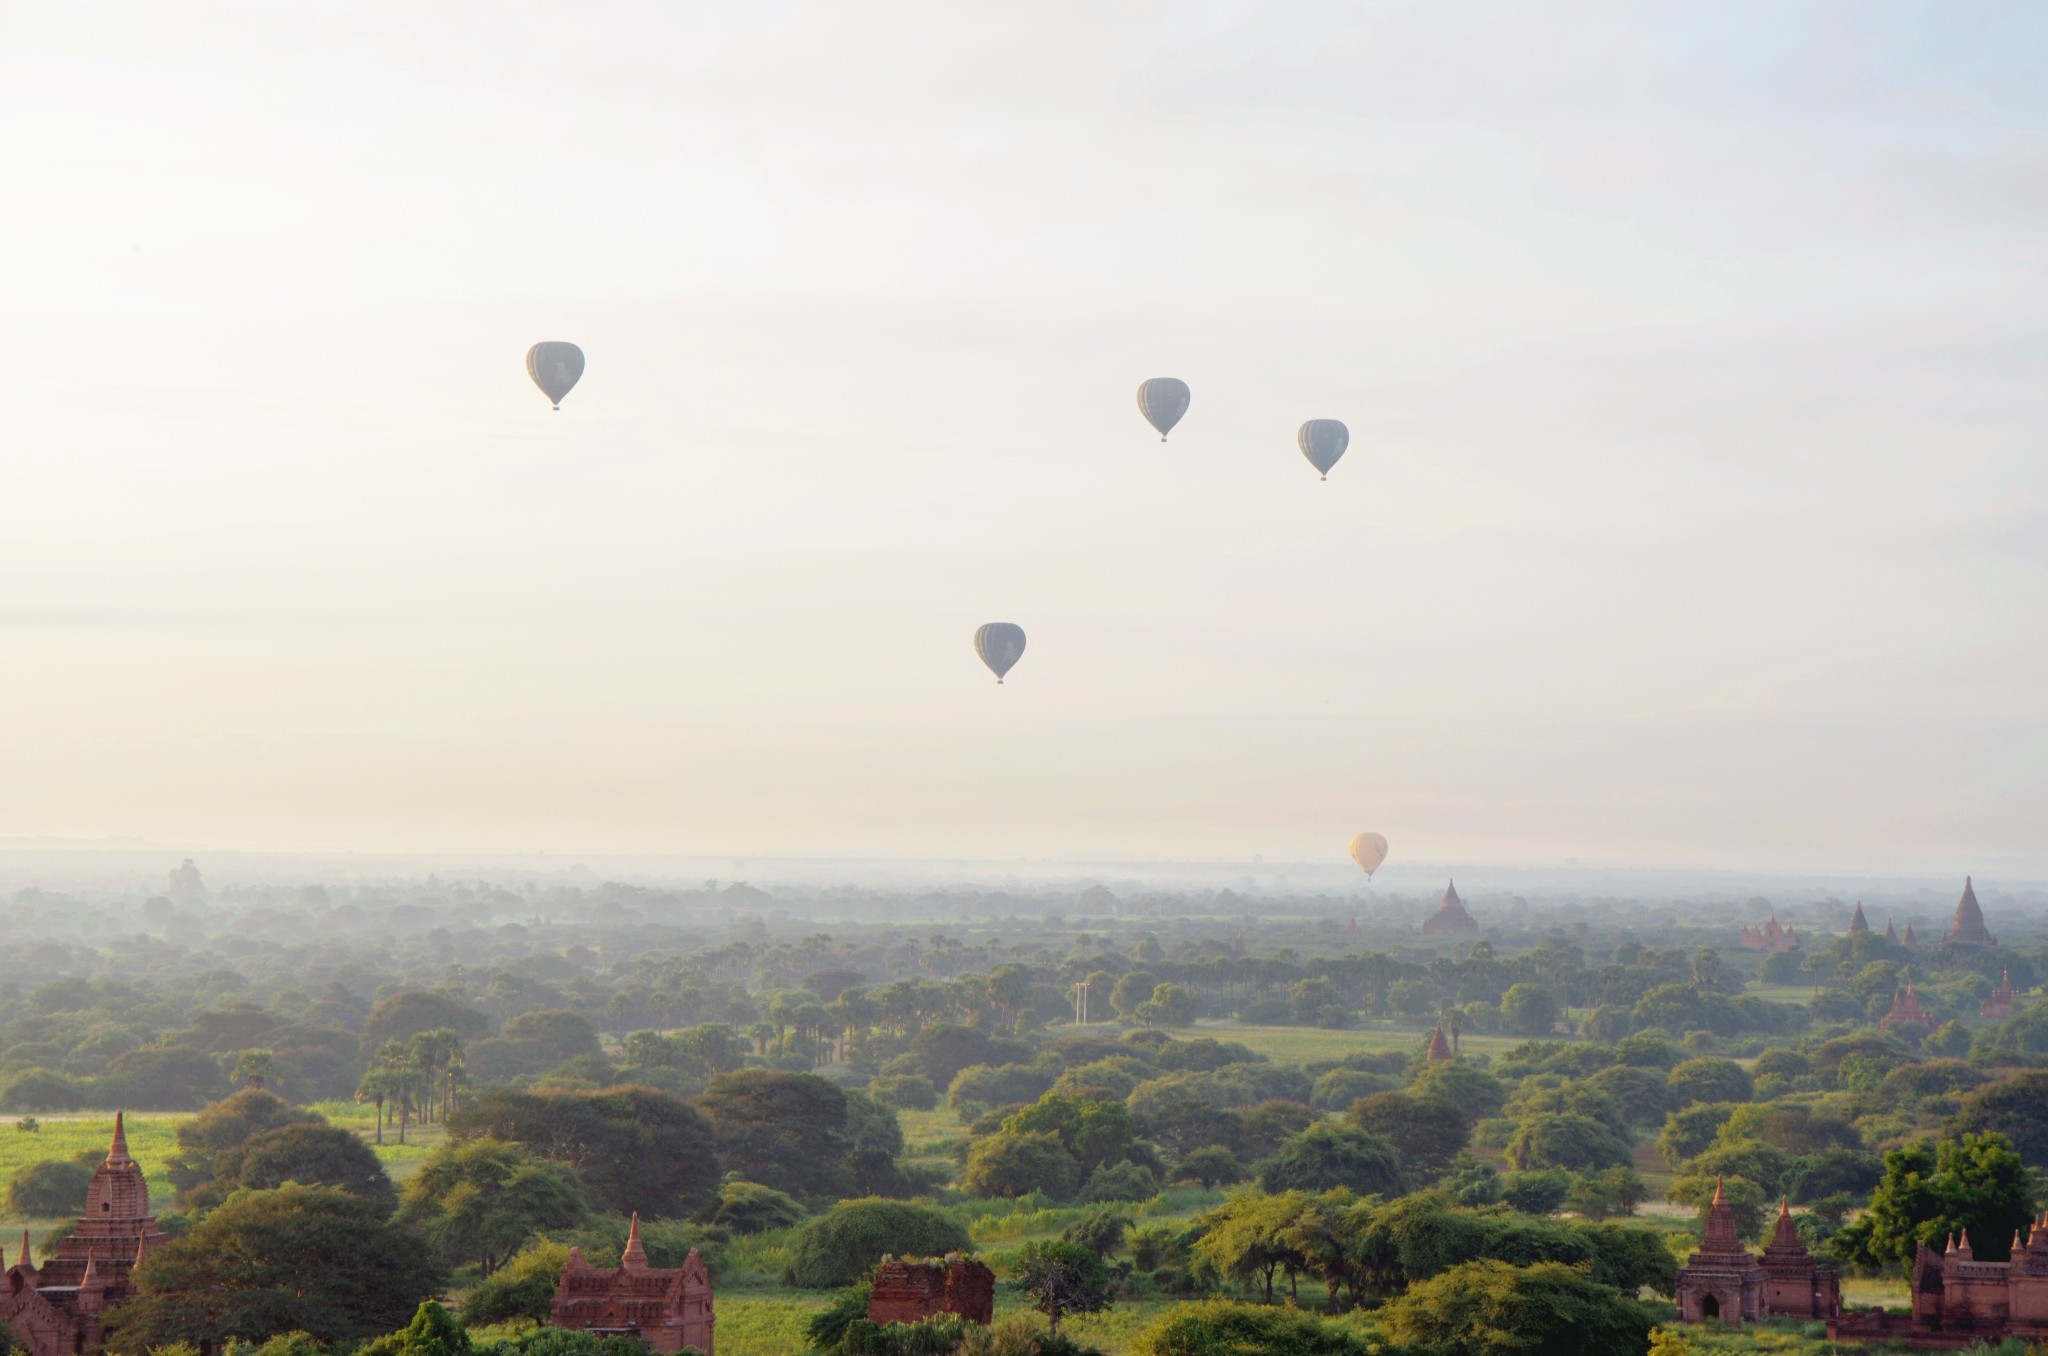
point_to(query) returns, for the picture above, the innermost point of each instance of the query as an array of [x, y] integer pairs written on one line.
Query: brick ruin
[[906, 1291]]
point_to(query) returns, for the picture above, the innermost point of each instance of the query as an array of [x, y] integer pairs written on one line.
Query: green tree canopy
[[1976, 1184], [1227, 1328], [1063, 1278], [1327, 1155], [295, 1258], [481, 1199], [837, 1247], [785, 1130], [1490, 1308], [1426, 1130], [636, 1149]]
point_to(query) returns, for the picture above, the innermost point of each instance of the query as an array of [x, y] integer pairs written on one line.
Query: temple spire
[[634, 1258], [24, 1261], [119, 1151]]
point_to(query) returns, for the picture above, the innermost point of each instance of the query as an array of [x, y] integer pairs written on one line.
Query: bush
[[905, 1092], [837, 1248], [1537, 1193], [1017, 1164], [1227, 1328], [51, 1187], [1124, 1181], [1710, 1080]]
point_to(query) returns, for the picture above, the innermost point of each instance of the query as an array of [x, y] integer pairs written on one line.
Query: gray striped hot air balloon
[[555, 367], [1163, 400], [1323, 441], [1000, 645]]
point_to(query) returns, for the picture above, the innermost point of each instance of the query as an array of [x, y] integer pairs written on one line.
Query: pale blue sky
[[1695, 513]]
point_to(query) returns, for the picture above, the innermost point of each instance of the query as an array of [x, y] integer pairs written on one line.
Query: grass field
[[1796, 995], [769, 1320]]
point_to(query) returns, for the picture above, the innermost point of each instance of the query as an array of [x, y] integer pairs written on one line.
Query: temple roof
[[1857, 922], [1968, 926]]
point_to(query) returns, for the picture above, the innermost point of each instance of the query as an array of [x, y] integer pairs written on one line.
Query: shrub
[[1489, 1308], [1213, 1166], [837, 1248], [1326, 1156], [523, 1288], [1017, 1164]]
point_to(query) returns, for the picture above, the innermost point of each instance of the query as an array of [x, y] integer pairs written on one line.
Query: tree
[[1530, 1009], [1427, 1131], [410, 1011], [481, 1199], [432, 1332], [1132, 990], [266, 1262], [1017, 1163], [750, 1208], [1489, 1308], [785, 1130], [1063, 1278], [1710, 1080], [1476, 1093], [1212, 1166], [838, 1247], [1120, 1181], [1250, 1237], [524, 1287], [52, 1187], [1099, 1231], [1567, 1140], [311, 1155], [1976, 1185], [2013, 1108], [1170, 1005], [1687, 1134], [211, 1144], [637, 1150], [1327, 1155]]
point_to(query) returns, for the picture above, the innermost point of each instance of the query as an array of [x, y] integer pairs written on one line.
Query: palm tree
[[374, 1088]]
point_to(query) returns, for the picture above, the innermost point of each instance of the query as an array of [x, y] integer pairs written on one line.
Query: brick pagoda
[[668, 1309]]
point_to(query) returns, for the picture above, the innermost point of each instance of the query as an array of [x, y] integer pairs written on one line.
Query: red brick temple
[[1906, 1012], [59, 1308], [668, 1309], [1959, 1301], [1450, 915], [1772, 936], [1968, 928], [906, 1291], [1722, 1281], [2002, 1000]]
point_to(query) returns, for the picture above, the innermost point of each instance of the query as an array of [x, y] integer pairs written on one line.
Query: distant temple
[[59, 1308], [1722, 1281], [1906, 1012], [1439, 1049], [1959, 1301], [1857, 922], [669, 1310], [907, 1291], [1891, 934], [1968, 928], [1911, 943], [2002, 1000], [1770, 937], [1450, 915]]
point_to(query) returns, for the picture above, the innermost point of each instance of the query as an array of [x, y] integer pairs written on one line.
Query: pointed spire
[[91, 1279], [23, 1260], [1720, 1191], [119, 1151], [634, 1258], [1439, 1049], [1857, 922], [1721, 1237], [1950, 1249], [1969, 921], [1963, 1247]]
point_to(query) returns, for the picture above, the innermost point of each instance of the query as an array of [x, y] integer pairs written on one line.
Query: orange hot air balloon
[[1368, 850]]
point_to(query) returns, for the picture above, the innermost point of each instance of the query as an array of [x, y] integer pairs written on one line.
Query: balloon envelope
[[1323, 441], [1000, 645], [1163, 400], [555, 367], [1368, 850]]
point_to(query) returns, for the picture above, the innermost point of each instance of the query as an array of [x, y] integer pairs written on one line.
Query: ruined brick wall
[[906, 1292]]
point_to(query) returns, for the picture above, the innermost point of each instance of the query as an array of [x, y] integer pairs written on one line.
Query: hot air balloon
[[1163, 400], [1368, 850], [555, 367], [1323, 441], [1000, 645]]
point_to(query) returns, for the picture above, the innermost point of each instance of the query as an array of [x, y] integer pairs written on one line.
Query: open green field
[[1305, 1045], [1796, 995], [769, 1321]]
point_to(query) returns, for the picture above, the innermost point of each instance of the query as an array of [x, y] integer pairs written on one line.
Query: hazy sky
[[1696, 510]]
